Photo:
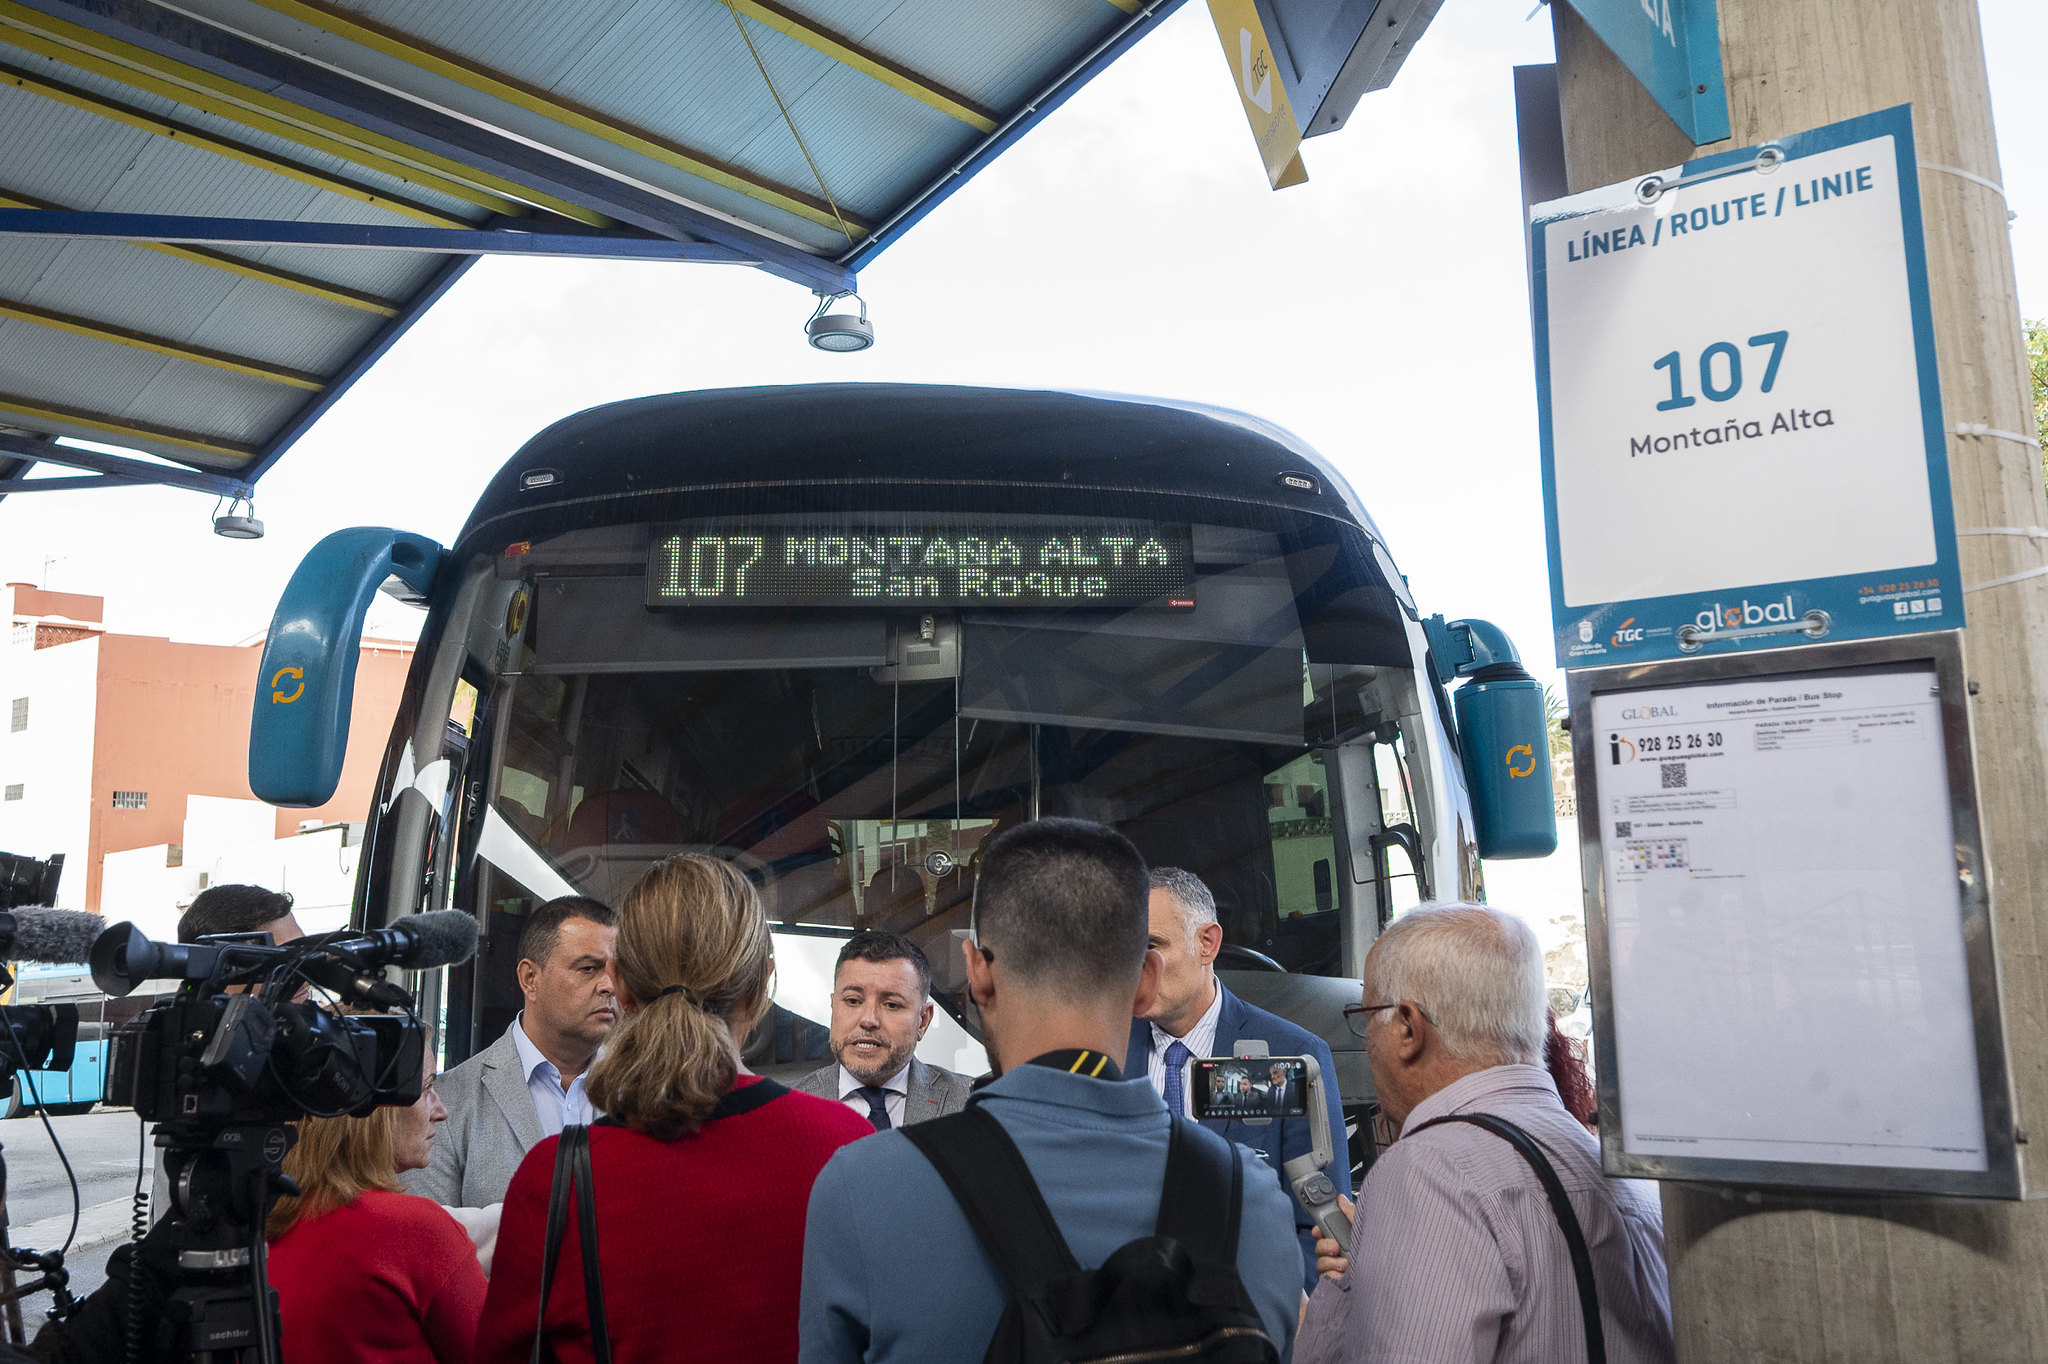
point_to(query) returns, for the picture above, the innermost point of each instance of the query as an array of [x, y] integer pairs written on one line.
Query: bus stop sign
[[1673, 47]]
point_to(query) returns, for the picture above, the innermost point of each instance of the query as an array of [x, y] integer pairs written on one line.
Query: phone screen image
[[1250, 1087]]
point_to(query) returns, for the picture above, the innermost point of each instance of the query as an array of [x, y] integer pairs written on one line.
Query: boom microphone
[[419, 942], [57, 936]]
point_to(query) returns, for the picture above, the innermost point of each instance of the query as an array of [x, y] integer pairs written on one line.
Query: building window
[[14, 790], [19, 721], [131, 800]]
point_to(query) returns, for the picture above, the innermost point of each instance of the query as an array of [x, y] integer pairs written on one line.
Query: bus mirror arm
[[305, 686]]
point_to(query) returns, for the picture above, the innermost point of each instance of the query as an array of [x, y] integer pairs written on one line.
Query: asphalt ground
[[102, 1148]]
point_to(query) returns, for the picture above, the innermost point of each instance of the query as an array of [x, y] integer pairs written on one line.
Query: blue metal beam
[[1007, 133], [59, 485], [159, 227], [120, 467], [199, 44]]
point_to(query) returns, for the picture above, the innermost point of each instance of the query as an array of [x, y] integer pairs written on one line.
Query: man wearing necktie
[[1195, 1015], [881, 1007]]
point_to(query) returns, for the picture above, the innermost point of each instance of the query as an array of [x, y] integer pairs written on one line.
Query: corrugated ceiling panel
[[225, 130], [995, 51], [875, 145], [71, 371], [539, 38], [24, 262], [118, 283], [194, 398], [60, 154]]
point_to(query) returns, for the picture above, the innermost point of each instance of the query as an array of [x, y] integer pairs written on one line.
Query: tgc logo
[[1720, 617], [1627, 633]]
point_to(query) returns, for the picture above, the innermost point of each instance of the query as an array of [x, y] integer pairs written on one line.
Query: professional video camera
[[225, 1065]]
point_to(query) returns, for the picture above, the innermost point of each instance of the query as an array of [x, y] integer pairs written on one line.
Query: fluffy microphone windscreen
[[54, 935], [442, 937]]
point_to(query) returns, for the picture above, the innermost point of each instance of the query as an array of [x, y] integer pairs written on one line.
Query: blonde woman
[[364, 1270], [702, 1170]]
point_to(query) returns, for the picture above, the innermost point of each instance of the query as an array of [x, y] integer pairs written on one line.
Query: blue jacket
[[892, 1272], [1285, 1138]]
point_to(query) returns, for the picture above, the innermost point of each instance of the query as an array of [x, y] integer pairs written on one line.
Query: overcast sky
[[1128, 243]]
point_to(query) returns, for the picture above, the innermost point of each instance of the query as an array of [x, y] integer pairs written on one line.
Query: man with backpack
[[1063, 1215]]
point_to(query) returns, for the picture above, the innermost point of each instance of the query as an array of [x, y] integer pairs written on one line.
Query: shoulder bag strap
[[551, 1248], [1567, 1220], [1190, 1210], [593, 1282], [993, 1186]]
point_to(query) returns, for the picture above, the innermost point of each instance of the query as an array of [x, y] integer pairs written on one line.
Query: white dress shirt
[[898, 1086], [554, 1106], [1200, 1041]]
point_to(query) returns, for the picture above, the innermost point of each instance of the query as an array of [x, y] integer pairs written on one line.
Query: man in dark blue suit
[[1197, 1016]]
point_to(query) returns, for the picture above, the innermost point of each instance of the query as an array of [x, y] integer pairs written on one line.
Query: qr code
[[1624, 828], [1673, 776]]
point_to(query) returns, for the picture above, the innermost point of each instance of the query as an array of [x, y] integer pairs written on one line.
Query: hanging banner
[[1262, 90], [1742, 435]]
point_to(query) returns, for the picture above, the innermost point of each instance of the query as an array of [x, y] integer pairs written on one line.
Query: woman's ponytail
[[693, 950]]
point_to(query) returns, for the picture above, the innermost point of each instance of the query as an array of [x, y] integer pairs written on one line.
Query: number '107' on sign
[[1724, 357]]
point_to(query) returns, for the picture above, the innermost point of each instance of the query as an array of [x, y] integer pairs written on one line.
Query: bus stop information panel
[[1790, 920], [954, 563]]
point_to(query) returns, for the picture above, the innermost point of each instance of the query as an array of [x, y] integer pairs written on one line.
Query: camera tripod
[[47, 1265]]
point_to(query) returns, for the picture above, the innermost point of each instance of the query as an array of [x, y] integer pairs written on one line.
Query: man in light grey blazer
[[881, 1007], [529, 1083]]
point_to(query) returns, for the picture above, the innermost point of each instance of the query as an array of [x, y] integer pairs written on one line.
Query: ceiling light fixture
[[840, 331], [243, 526]]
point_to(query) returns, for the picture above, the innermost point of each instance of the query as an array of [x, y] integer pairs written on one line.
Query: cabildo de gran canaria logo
[[1744, 615]]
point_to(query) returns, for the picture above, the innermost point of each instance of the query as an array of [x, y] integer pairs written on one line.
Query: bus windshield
[[852, 750]]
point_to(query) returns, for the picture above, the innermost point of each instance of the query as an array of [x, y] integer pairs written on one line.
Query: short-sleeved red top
[[388, 1277], [700, 1239]]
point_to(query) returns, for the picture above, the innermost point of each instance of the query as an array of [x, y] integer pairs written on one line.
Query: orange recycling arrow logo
[[278, 697]]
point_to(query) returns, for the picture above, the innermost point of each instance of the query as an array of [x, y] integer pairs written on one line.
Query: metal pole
[[1781, 1277]]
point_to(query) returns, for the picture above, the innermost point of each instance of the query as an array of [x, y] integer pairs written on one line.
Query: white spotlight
[[840, 331]]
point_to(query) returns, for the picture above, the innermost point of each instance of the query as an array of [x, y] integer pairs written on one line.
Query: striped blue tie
[[1176, 1057]]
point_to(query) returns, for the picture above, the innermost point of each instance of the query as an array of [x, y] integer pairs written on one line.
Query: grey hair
[[1193, 899], [1476, 972]]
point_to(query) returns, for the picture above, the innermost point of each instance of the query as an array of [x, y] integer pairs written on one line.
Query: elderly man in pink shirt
[[1457, 1252]]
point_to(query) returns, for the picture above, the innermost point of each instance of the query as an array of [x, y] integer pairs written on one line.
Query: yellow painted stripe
[[501, 87], [234, 265], [291, 170], [97, 421], [158, 345], [129, 60], [15, 36], [849, 53], [1128, 6], [1075, 1068]]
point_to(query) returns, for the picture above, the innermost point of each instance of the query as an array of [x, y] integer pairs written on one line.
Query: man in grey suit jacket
[[881, 1007], [529, 1083]]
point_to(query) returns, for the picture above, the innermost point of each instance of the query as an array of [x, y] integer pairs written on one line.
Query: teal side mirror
[[298, 731], [1503, 737]]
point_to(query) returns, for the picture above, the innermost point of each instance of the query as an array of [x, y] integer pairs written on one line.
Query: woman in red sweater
[[702, 1170], [364, 1270]]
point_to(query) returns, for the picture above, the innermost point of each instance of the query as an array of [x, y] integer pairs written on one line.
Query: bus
[[841, 635]]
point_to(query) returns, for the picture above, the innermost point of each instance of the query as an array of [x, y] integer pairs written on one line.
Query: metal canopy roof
[[215, 216]]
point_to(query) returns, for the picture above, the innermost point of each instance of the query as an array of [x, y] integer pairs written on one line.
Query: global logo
[[1627, 633], [1585, 632], [1649, 713], [1746, 614]]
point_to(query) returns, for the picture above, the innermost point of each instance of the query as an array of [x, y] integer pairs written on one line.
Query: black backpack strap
[[1203, 1197], [1567, 1220], [551, 1247], [993, 1186], [593, 1283]]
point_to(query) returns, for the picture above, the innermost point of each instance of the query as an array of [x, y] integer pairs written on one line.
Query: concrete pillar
[[1783, 1277]]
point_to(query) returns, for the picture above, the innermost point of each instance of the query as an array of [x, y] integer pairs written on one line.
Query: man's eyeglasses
[[1356, 1016]]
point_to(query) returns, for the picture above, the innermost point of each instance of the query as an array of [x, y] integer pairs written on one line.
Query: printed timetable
[[1092, 563]]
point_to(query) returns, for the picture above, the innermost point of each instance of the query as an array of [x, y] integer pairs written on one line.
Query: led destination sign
[[1111, 564]]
